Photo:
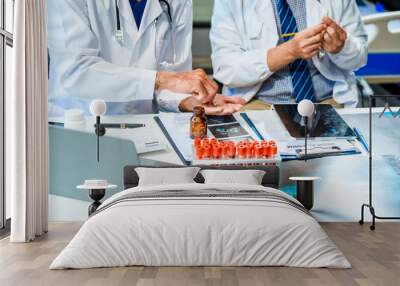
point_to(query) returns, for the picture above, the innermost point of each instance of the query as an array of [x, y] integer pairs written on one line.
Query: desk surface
[[266, 121], [344, 180]]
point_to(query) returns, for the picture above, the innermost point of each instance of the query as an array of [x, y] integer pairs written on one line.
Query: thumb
[[235, 100], [213, 110]]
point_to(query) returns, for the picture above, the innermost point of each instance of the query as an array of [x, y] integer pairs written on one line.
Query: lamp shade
[[306, 108], [98, 107]]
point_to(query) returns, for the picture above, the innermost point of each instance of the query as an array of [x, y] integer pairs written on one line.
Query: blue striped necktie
[[301, 77]]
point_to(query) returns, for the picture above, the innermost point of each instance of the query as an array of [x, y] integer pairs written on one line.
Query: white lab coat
[[87, 61], [244, 30]]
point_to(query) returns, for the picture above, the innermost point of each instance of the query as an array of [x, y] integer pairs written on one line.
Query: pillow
[[244, 177], [166, 176]]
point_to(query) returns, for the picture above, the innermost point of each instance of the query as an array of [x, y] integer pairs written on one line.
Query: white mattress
[[200, 232]]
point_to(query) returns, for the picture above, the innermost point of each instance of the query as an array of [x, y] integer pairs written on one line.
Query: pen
[[361, 138], [56, 123], [251, 125], [288, 35], [122, 125]]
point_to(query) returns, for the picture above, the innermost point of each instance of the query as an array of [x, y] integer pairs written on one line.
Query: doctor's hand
[[221, 105], [334, 38], [196, 83], [304, 45]]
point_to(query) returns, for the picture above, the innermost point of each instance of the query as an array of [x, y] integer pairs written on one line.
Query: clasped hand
[[203, 92], [328, 35]]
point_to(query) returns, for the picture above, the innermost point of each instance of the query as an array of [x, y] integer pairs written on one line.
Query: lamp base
[[374, 216], [305, 193], [305, 190], [96, 195], [101, 130]]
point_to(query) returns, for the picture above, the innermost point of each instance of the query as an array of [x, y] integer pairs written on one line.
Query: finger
[[236, 107], [211, 89], [200, 92], [210, 85], [312, 54], [313, 30], [188, 104], [343, 35], [333, 33], [207, 91], [204, 75], [336, 26], [312, 48], [234, 100], [332, 24], [213, 110], [327, 20], [232, 108], [328, 38], [227, 109], [212, 82], [200, 71], [200, 74], [313, 40]]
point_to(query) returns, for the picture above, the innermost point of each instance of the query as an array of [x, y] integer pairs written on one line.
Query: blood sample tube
[[232, 150], [273, 150], [205, 141], [214, 145], [258, 151], [207, 151], [197, 142], [199, 153], [217, 152], [224, 149], [266, 149], [249, 150], [242, 151]]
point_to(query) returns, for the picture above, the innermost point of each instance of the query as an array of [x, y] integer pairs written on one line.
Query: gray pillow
[[166, 176], [244, 177]]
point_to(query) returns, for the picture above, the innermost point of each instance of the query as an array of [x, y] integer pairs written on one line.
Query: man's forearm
[[279, 57]]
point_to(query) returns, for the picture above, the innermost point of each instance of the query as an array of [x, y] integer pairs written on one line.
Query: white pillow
[[166, 176], [246, 177]]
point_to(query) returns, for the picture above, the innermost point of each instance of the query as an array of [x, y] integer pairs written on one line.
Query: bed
[[383, 31], [201, 224]]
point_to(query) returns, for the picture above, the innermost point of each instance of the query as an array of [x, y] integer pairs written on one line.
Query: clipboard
[[171, 141], [176, 128]]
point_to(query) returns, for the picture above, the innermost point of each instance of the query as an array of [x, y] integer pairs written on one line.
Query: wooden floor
[[375, 257]]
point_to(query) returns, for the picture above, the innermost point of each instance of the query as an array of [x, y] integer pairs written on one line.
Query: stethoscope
[[119, 34], [166, 7]]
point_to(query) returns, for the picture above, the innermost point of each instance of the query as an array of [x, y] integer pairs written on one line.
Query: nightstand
[[97, 190], [305, 190]]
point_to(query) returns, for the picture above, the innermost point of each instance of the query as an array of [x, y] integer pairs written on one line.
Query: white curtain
[[26, 117]]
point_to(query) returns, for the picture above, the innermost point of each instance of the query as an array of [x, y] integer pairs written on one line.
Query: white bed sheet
[[200, 232]]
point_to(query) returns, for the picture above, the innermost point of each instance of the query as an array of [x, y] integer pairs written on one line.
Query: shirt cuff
[[256, 67], [169, 101], [145, 85], [350, 47]]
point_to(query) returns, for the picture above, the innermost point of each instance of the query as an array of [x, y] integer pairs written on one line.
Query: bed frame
[[271, 178]]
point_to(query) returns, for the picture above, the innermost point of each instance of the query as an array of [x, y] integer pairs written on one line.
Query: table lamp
[[98, 108], [306, 109]]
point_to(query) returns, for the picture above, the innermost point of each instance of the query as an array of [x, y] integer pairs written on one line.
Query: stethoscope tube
[[166, 7], [118, 19]]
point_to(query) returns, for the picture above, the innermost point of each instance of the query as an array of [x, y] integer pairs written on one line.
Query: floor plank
[[375, 257]]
